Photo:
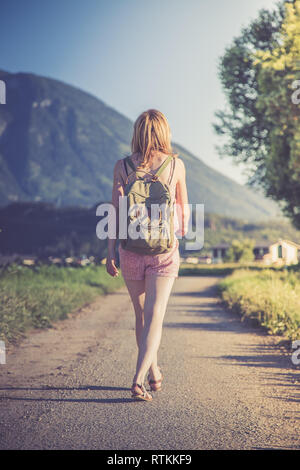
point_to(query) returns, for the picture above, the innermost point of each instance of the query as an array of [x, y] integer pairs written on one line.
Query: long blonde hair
[[151, 133]]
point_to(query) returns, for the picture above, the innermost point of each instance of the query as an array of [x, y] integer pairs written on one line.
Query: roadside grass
[[271, 297], [222, 269], [34, 297]]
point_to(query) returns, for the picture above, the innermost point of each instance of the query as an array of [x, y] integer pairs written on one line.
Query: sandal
[[140, 396], [155, 385]]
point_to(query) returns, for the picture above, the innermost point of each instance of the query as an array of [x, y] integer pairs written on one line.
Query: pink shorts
[[136, 267]]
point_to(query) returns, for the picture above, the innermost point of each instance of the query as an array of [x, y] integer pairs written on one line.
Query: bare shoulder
[[180, 169], [180, 163]]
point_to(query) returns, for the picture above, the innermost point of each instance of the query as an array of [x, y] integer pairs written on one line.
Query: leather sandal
[[140, 396], [155, 385]]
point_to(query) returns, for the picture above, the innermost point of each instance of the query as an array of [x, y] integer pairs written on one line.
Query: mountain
[[59, 144]]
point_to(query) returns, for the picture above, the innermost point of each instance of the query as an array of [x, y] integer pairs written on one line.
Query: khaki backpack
[[150, 212]]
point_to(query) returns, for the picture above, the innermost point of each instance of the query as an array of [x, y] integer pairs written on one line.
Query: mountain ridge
[[59, 143]]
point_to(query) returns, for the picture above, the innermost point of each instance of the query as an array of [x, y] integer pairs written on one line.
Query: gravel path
[[227, 385]]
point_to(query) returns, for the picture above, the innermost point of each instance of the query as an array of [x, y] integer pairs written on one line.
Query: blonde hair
[[151, 133]]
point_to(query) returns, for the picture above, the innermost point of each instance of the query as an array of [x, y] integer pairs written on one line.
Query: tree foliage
[[241, 250], [259, 73]]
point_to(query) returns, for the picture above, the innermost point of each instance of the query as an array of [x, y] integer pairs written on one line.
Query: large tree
[[259, 72]]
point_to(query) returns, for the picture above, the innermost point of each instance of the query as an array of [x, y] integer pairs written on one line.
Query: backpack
[[150, 212]]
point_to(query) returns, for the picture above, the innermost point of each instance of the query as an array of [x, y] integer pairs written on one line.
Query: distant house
[[283, 252], [219, 252], [280, 252], [260, 250]]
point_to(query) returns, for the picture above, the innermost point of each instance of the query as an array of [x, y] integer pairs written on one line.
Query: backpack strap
[[154, 175], [129, 161], [125, 167], [171, 171], [164, 165]]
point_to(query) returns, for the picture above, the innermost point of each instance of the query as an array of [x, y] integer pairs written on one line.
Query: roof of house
[[221, 245], [262, 245], [289, 242]]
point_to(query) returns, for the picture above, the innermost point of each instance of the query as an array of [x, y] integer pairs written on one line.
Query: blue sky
[[134, 55]]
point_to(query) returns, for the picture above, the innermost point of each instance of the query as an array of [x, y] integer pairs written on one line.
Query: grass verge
[[36, 297], [222, 269], [271, 297]]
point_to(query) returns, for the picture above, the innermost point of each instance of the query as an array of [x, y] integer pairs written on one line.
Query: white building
[[281, 252], [284, 252]]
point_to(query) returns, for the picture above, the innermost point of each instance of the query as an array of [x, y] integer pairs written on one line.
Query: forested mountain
[[59, 144]]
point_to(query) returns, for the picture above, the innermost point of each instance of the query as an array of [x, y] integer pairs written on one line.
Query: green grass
[[270, 297], [36, 297], [204, 269], [222, 269]]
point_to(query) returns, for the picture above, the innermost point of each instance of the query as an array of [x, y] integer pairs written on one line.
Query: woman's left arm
[[118, 190]]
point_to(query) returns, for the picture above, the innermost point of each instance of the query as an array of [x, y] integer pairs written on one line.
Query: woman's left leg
[[157, 289], [136, 290]]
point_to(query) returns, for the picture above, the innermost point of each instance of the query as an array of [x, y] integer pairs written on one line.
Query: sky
[[135, 55]]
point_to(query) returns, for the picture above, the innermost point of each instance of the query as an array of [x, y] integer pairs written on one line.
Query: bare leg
[[136, 291], [157, 292]]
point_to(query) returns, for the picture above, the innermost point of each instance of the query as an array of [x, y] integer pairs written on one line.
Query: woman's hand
[[111, 267]]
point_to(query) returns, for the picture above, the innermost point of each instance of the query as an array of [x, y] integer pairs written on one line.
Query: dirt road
[[227, 386]]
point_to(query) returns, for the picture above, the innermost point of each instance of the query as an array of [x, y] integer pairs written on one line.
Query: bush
[[269, 296]]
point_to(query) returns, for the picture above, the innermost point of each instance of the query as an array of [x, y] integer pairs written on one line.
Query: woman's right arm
[[183, 209]]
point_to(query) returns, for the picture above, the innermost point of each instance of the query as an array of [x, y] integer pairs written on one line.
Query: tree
[[278, 71], [240, 250], [258, 73]]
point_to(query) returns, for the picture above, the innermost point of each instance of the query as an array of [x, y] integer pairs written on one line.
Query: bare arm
[[183, 210], [118, 190]]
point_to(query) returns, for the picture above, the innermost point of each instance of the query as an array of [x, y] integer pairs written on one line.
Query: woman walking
[[149, 277]]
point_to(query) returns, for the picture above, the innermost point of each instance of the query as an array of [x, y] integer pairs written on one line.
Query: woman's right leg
[[136, 290]]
